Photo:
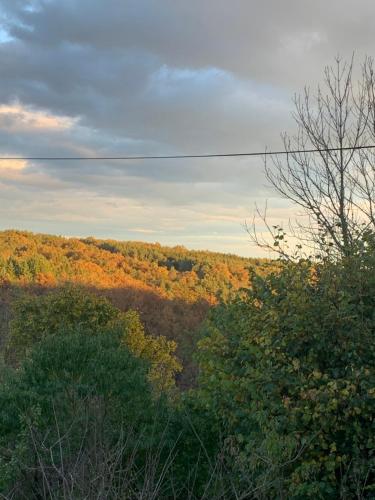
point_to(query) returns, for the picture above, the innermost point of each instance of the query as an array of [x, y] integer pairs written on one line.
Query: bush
[[79, 418], [290, 369], [58, 312]]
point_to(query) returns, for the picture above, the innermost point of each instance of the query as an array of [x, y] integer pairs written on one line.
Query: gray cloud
[[155, 77], [250, 39]]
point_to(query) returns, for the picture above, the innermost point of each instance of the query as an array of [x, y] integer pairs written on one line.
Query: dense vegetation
[[290, 369], [283, 407], [172, 289], [170, 272]]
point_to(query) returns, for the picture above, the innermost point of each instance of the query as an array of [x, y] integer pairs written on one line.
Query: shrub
[[290, 369], [71, 308], [79, 418]]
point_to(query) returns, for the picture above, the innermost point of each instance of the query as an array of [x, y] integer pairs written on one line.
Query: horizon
[[84, 237]]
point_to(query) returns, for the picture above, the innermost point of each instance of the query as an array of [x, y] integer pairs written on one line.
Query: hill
[[174, 272], [171, 287]]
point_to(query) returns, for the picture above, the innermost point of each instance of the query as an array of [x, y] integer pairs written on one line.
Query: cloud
[[94, 78], [12, 165], [143, 230], [17, 118]]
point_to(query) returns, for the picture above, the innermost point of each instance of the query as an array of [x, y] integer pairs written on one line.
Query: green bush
[[290, 369], [78, 414], [71, 308]]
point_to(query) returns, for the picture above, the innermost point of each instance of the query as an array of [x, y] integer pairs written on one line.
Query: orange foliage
[[171, 288]]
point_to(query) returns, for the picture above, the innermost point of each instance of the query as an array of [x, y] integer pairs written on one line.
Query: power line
[[180, 157]]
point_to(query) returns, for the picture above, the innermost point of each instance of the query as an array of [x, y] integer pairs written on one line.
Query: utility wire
[[181, 157]]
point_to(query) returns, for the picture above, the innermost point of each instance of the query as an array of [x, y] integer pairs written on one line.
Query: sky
[[146, 77]]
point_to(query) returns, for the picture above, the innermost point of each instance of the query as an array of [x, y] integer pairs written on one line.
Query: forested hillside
[[172, 288], [174, 273]]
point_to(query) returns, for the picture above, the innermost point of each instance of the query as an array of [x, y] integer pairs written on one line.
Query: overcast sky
[[121, 77]]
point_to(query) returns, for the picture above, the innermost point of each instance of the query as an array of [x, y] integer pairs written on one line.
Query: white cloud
[[17, 118]]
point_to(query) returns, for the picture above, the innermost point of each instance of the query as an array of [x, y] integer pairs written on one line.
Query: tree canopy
[[74, 309]]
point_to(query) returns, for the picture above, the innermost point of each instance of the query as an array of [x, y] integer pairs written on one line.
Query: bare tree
[[334, 183]]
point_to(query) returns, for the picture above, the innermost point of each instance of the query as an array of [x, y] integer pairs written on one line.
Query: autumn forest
[[172, 289]]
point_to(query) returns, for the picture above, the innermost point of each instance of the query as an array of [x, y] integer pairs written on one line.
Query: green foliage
[[67, 407], [34, 318], [72, 309], [157, 350], [196, 467], [85, 399], [289, 367], [284, 407]]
